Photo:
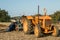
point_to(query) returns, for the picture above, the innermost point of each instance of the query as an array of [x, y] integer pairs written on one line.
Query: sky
[[29, 7]]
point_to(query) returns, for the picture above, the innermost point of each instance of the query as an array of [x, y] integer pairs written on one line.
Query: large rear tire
[[37, 31], [27, 26], [55, 31]]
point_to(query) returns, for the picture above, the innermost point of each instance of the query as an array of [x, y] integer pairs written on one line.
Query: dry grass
[[14, 35], [19, 35], [5, 23]]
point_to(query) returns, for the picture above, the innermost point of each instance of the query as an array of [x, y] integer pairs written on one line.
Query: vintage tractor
[[39, 25]]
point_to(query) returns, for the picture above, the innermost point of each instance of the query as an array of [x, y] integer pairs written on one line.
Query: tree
[[4, 17], [56, 16]]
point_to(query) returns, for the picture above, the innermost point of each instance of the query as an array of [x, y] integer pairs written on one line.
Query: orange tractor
[[39, 25]]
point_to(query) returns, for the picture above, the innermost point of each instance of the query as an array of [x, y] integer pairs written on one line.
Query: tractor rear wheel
[[55, 31], [27, 26], [37, 31]]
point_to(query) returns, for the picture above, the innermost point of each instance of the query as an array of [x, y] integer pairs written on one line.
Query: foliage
[[4, 17], [56, 16]]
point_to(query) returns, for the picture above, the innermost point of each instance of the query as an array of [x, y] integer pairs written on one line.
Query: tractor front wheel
[[55, 31]]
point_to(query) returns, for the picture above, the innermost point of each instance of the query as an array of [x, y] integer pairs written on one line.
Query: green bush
[[4, 17]]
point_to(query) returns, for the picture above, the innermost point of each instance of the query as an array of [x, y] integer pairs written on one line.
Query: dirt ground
[[19, 35], [15, 35]]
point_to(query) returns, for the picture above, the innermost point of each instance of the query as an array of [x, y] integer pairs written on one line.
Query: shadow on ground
[[50, 34]]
